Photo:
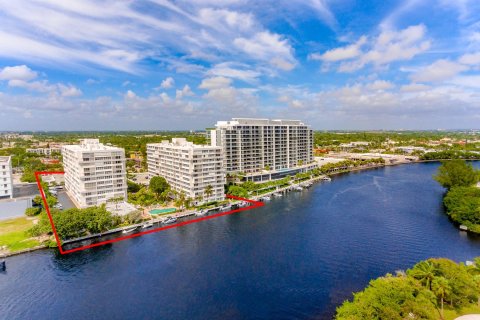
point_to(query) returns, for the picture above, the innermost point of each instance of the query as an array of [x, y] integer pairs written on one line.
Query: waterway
[[298, 257]]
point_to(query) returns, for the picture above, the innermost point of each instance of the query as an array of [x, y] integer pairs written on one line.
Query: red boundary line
[[255, 204]]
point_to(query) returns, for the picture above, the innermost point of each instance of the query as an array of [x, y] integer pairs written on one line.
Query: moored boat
[[170, 220], [129, 230], [147, 225]]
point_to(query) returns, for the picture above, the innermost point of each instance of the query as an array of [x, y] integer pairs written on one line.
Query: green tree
[[441, 288], [158, 185], [425, 272], [208, 191], [33, 211], [456, 173]]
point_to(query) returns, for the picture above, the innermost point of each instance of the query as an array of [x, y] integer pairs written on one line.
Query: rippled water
[[296, 258]]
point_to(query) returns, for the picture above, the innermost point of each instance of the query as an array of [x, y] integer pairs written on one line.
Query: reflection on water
[[296, 258]]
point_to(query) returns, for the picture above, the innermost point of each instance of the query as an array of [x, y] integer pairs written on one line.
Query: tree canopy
[[159, 185], [456, 173], [420, 293]]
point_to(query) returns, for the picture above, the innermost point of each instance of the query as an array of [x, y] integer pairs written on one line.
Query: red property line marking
[[255, 204]]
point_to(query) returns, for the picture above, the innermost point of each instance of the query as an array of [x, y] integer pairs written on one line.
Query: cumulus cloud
[[185, 92], [22, 73], [414, 87], [268, 46], [438, 71], [470, 59], [380, 85], [389, 46], [215, 83], [341, 53], [167, 83]]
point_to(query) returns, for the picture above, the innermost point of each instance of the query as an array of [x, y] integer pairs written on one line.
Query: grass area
[[453, 314], [13, 234]]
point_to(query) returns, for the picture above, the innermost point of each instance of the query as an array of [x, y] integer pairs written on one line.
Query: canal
[[298, 257]]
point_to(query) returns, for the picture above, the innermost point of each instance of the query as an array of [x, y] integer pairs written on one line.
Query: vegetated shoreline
[[354, 169]]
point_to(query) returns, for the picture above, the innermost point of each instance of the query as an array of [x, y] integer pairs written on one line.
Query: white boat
[[265, 198], [326, 179], [170, 220], [277, 194], [297, 188], [147, 225], [201, 213], [463, 227], [129, 230], [226, 206]]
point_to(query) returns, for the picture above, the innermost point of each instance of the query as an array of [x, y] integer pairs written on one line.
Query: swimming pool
[[162, 211]]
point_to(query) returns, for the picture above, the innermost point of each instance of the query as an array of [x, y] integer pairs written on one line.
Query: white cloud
[[342, 53], [389, 46], [215, 83], [234, 70], [69, 90], [380, 85], [414, 87], [268, 46], [470, 59], [22, 72], [438, 71], [130, 94], [167, 83], [185, 92]]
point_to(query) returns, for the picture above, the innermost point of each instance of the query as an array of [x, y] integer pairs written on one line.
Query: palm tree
[[441, 288], [198, 198], [425, 272], [208, 191]]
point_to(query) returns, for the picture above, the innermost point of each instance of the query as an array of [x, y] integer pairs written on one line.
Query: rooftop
[[91, 145], [4, 159], [182, 143], [258, 121]]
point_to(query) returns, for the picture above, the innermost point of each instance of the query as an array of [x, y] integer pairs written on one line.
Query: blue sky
[[165, 65]]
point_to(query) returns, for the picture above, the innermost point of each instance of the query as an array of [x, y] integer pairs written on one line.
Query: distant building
[[6, 184], [44, 151], [94, 173], [264, 149], [188, 168]]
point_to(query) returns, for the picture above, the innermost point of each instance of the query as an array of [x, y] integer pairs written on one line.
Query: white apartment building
[[44, 151], [6, 183], [188, 168], [264, 149], [94, 173]]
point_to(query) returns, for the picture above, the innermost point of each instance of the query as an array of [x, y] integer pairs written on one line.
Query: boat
[[201, 212], [463, 227], [265, 198], [297, 188], [277, 194], [129, 230], [226, 206], [326, 179], [147, 225], [170, 220]]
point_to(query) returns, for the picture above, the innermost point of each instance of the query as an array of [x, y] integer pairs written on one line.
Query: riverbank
[[14, 238]]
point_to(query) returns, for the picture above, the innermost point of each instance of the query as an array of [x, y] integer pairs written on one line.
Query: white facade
[[44, 151], [188, 168], [6, 183], [94, 173], [254, 145]]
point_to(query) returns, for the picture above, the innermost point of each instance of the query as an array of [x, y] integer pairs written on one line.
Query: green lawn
[[452, 314], [13, 234]]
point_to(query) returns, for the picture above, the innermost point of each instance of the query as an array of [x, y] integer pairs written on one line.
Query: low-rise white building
[[6, 184], [189, 168], [44, 151], [94, 173]]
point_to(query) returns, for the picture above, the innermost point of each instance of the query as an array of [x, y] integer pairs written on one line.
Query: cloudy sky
[[160, 64]]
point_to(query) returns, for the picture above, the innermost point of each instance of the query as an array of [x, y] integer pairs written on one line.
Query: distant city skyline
[[164, 65]]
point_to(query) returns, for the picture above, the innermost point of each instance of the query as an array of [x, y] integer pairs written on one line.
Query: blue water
[[298, 257]]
